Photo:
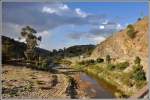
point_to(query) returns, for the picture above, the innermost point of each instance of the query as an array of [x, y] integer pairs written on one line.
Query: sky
[[71, 23]]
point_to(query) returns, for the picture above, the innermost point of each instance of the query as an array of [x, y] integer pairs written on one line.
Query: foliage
[[137, 60], [99, 60], [111, 66], [66, 62], [31, 41], [87, 62], [138, 73], [108, 59], [122, 65], [131, 31]]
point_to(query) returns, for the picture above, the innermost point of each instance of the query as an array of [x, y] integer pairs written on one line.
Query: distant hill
[[78, 50], [121, 47], [14, 49]]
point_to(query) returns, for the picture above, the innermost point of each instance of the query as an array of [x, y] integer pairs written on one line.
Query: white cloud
[[20, 40], [43, 33], [64, 7], [101, 27], [11, 29], [98, 39], [49, 10], [80, 13], [119, 26], [55, 9]]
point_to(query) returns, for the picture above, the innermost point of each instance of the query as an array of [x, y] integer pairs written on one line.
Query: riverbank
[[119, 80]]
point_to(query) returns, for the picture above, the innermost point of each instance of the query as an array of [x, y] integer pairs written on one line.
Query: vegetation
[[137, 61], [131, 31], [100, 60], [111, 66], [108, 59], [122, 65], [31, 41], [138, 72]]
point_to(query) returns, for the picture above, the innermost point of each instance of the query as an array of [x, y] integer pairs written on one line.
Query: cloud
[[49, 10], [98, 39], [76, 36], [101, 26], [43, 33], [58, 9], [43, 17], [64, 7], [80, 13]]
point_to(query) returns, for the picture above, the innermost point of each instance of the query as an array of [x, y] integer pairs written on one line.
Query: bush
[[131, 31], [111, 66], [122, 65], [138, 73], [99, 60], [137, 60], [108, 59], [87, 62]]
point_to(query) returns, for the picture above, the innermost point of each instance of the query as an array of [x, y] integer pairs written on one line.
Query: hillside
[[14, 49], [122, 48]]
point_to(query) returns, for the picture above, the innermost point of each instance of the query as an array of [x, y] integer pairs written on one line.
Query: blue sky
[[67, 24]]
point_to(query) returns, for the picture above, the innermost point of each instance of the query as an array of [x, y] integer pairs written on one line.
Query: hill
[[121, 47]]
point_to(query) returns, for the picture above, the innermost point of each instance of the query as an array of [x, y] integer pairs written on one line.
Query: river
[[95, 88]]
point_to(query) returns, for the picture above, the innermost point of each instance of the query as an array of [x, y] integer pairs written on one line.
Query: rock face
[[122, 48]]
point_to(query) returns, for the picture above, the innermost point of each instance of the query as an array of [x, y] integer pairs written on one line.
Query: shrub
[[138, 73], [108, 59], [91, 61], [137, 60], [111, 66], [100, 60], [131, 31], [122, 65], [82, 62]]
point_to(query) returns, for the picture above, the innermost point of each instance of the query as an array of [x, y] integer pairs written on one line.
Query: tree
[[31, 41], [137, 60], [131, 31], [138, 72], [108, 59]]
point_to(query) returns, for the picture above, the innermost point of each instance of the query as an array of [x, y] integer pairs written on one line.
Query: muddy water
[[97, 88]]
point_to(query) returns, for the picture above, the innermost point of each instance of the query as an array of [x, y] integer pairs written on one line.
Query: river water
[[96, 88]]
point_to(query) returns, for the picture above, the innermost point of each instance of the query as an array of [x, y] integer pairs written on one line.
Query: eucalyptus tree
[[31, 41]]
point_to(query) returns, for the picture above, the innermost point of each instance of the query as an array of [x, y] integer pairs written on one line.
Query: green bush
[[87, 62], [138, 73], [111, 66], [99, 60], [122, 65], [137, 60], [131, 31], [108, 59]]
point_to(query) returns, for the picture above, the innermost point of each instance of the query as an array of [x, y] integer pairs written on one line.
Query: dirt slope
[[121, 47]]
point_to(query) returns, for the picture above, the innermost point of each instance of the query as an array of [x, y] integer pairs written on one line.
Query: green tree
[[137, 60], [108, 59], [31, 41], [131, 31]]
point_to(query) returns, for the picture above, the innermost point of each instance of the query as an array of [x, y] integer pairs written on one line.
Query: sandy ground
[[22, 82]]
